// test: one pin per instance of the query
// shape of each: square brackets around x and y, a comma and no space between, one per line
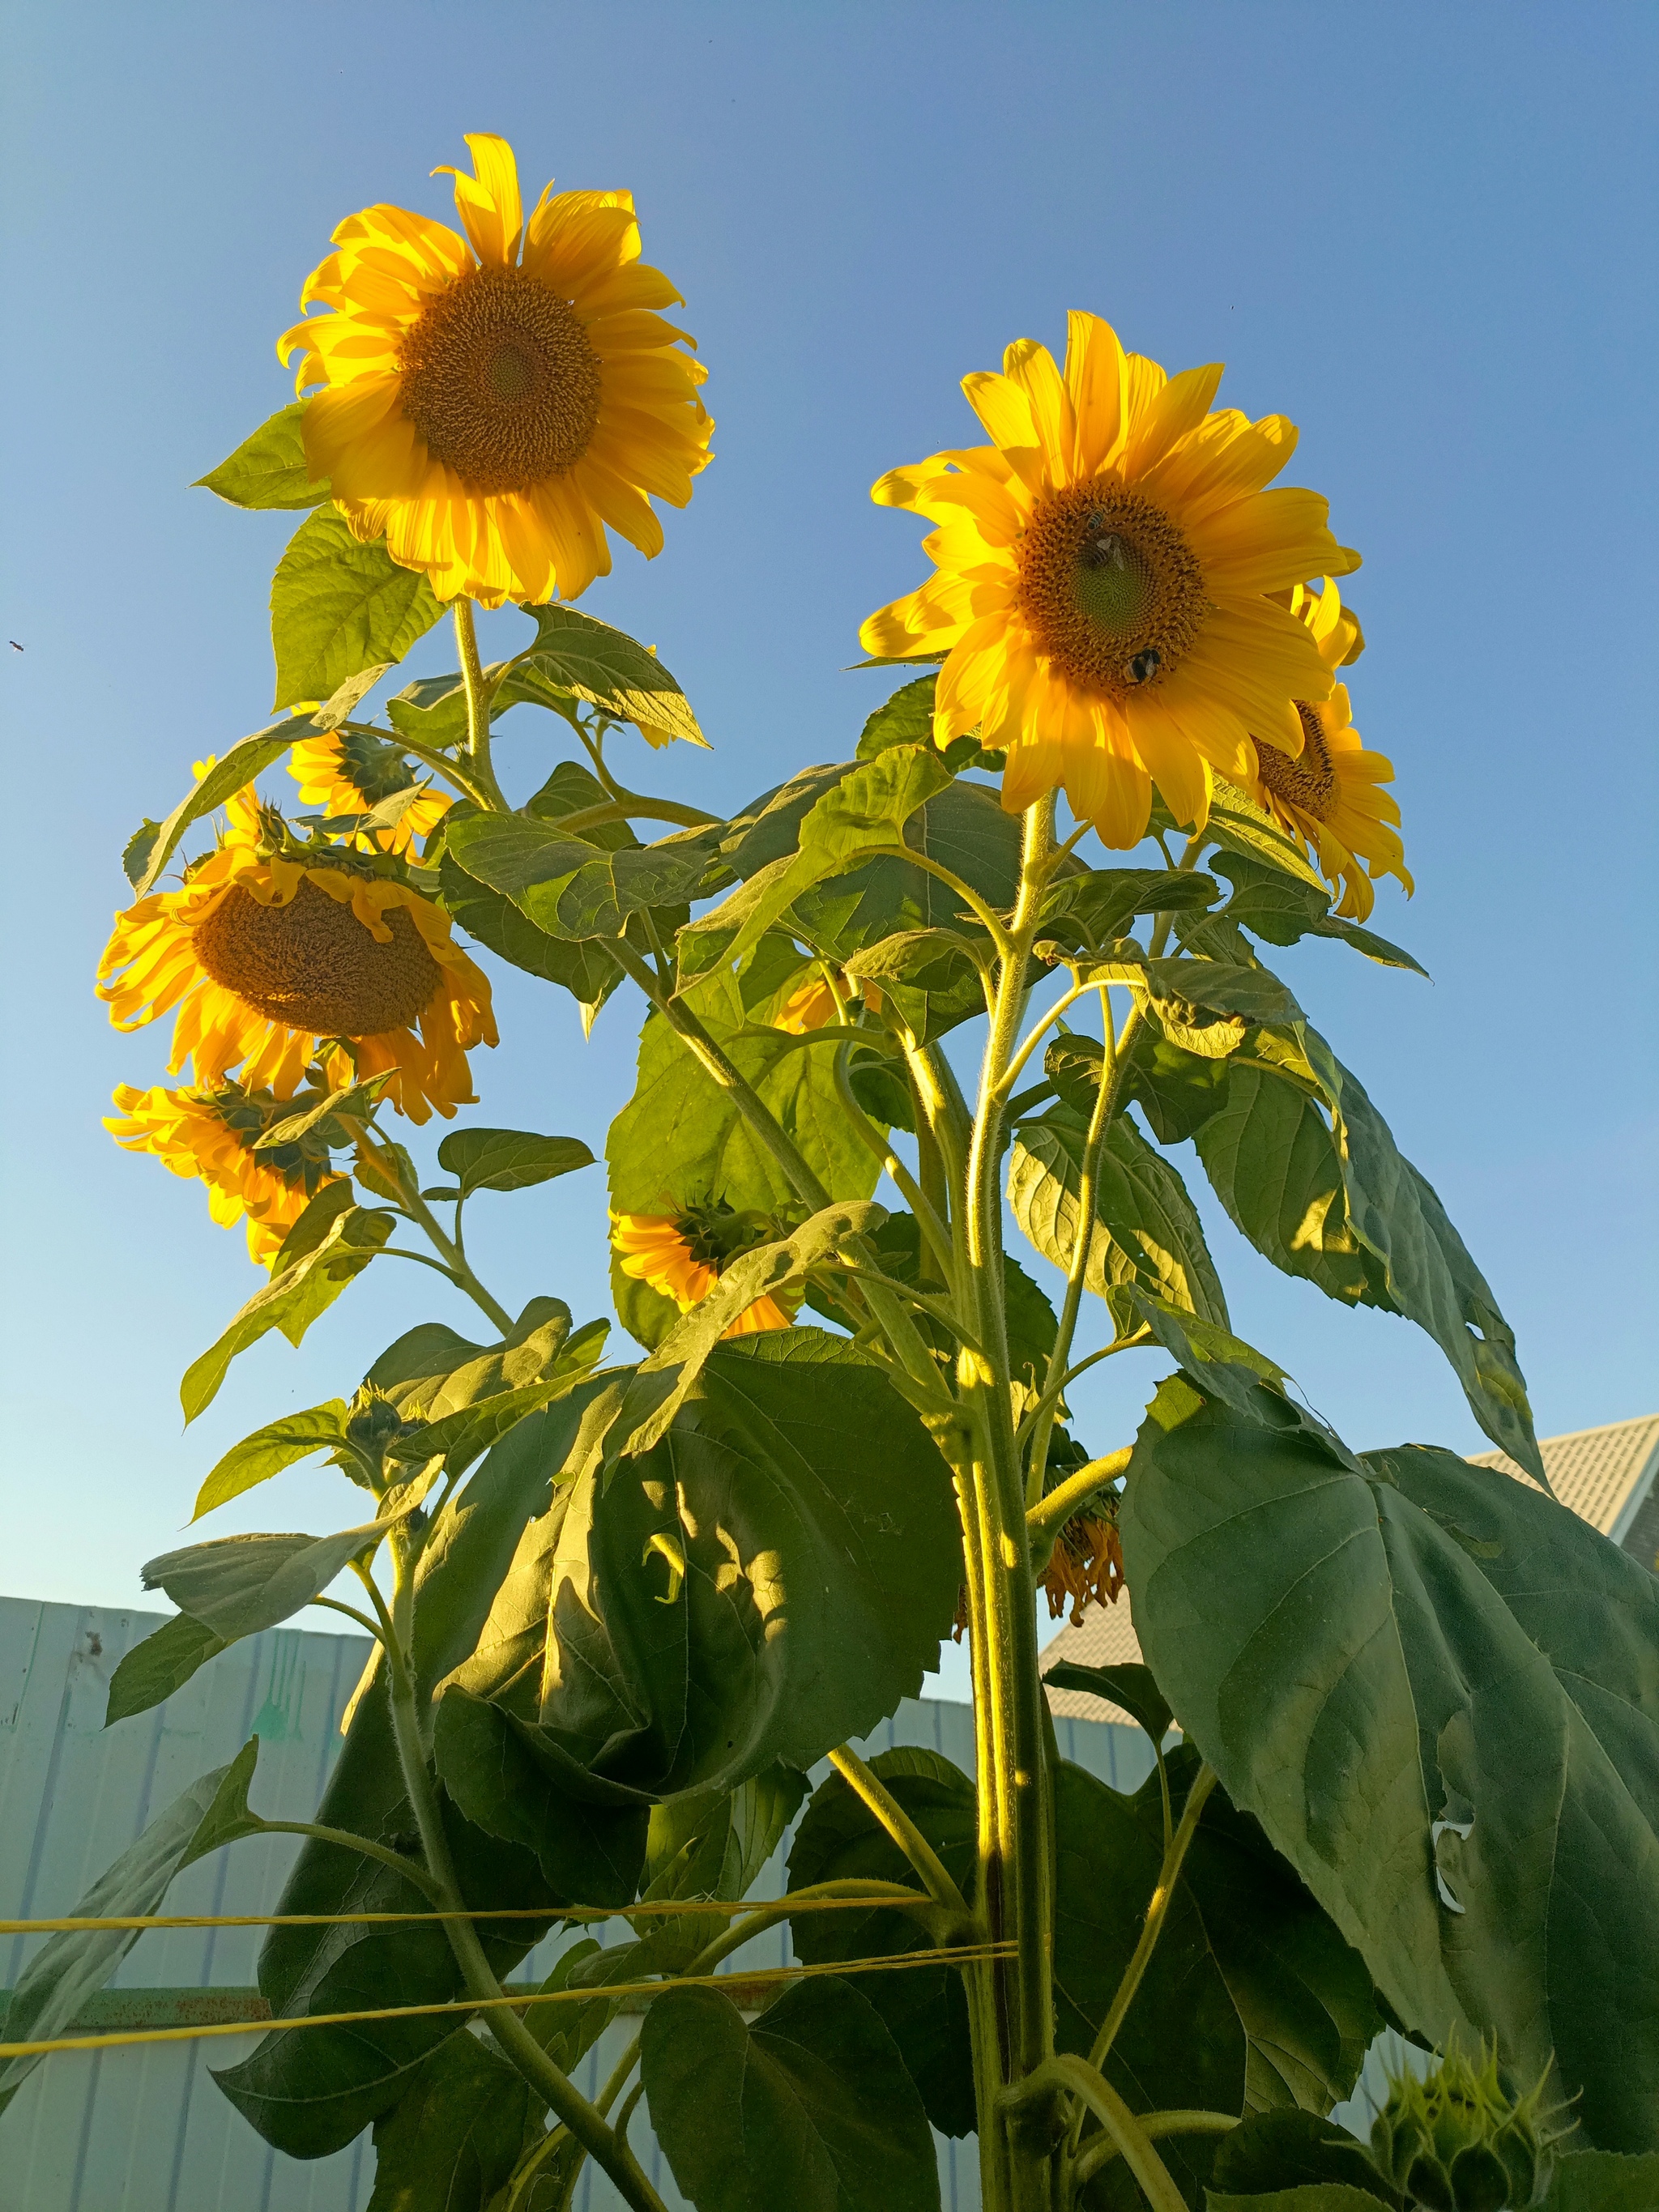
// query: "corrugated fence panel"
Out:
[144,2129]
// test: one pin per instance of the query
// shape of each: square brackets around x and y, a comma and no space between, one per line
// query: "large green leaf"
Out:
[1252,1998]
[1439,1691]
[681,1138]
[1431,1277]
[239,1585]
[839,1839]
[311,2093]
[454,2136]
[1273,1163]
[508,1159]
[1603,2181]
[268,468]
[268,1451]
[586,971]
[1281,909]
[591,661]
[862,814]
[1146,1230]
[292,1299]
[338,606]
[150,851]
[1274,2151]
[809,2107]
[569,888]
[769,1580]
[75,1965]
[153,1669]
[661,1384]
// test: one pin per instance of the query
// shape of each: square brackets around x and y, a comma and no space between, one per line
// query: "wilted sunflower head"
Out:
[490,404]
[683,1254]
[1329,794]
[1105,570]
[270,959]
[212,1135]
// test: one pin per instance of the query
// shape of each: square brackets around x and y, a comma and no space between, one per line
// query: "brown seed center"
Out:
[312,966]
[501,381]
[1111,589]
[1309,782]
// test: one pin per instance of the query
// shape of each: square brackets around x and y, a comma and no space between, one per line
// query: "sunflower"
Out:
[487,412]
[211,1135]
[681,1256]
[347,772]
[814,1005]
[1329,794]
[1104,572]
[270,959]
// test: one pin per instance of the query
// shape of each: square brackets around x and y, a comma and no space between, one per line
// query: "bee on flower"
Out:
[1108,578]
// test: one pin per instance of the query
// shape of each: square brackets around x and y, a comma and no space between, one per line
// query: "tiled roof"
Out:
[1607,1476]
[1603,1474]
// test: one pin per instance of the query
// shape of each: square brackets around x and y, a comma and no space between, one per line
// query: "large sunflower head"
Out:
[1102,589]
[271,961]
[489,404]
[682,1255]
[1329,794]
[347,772]
[211,1135]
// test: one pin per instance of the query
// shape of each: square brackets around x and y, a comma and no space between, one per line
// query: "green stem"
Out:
[411,1870]
[351,1612]
[1101,2149]
[1015,1843]
[1068,2075]
[455,1265]
[938,1235]
[1082,1245]
[1161,923]
[891,1815]
[478,694]
[1050,1514]
[516,2042]
[631,802]
[1203,1782]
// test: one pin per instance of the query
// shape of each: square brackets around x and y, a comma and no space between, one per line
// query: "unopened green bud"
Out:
[1454,2141]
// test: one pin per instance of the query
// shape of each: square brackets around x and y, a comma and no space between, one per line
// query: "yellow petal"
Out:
[1031,367]
[1096,377]
[487,203]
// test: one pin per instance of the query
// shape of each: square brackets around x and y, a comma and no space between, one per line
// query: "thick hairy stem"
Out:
[479,765]
[1015,1840]
[517,2043]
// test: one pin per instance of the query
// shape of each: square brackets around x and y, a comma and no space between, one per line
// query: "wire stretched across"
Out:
[948,1955]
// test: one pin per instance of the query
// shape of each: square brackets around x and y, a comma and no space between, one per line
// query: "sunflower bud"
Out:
[1455,2142]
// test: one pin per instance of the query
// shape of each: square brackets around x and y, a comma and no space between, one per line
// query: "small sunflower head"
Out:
[374,1424]
[1455,2142]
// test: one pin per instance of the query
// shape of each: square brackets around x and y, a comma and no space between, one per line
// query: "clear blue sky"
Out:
[1425,233]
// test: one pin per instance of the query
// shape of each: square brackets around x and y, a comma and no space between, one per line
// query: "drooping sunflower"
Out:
[210,1135]
[346,772]
[1329,794]
[1104,570]
[490,411]
[272,961]
[682,1255]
